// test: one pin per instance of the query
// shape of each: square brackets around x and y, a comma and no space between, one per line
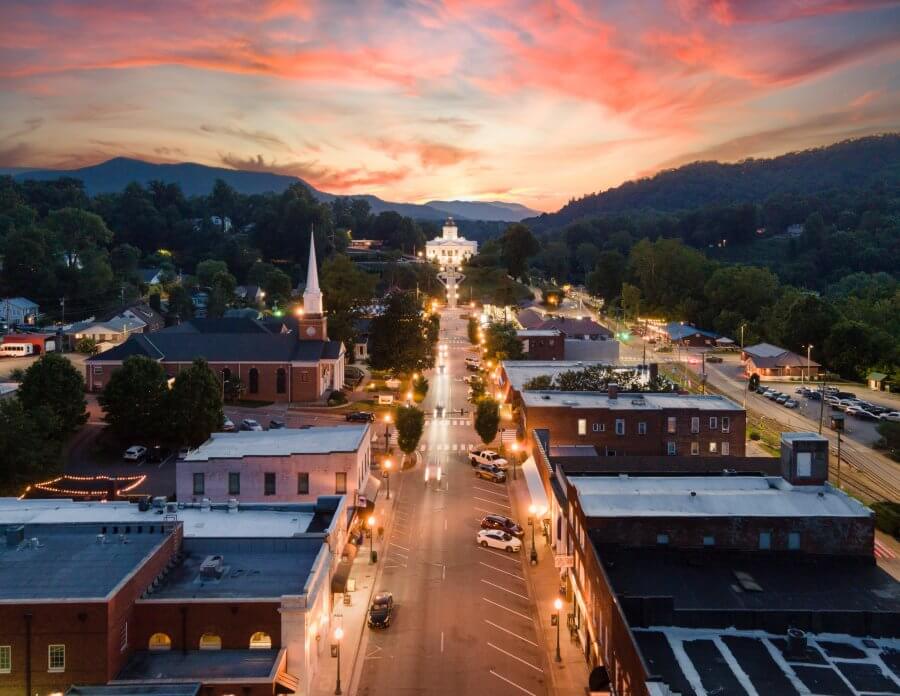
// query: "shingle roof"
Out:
[766,355]
[574,327]
[678,331]
[224,325]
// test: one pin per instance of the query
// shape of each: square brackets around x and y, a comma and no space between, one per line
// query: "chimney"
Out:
[613,390]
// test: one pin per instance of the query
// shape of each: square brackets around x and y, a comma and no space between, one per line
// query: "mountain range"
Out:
[198,179]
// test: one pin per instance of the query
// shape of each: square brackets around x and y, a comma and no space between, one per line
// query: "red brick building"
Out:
[542,344]
[291,361]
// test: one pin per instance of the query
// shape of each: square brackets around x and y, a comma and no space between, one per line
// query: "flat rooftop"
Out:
[280,443]
[628,401]
[251,569]
[710,496]
[67,561]
[538,333]
[696,662]
[145,689]
[198,665]
[520,371]
[249,520]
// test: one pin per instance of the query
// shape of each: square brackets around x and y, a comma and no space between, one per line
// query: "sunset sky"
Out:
[535,102]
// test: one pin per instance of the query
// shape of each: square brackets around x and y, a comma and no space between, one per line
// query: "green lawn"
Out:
[491,285]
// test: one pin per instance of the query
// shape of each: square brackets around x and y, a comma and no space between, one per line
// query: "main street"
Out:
[465,622]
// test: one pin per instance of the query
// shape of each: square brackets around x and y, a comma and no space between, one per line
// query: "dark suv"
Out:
[491,472]
[504,524]
[382,610]
[360,417]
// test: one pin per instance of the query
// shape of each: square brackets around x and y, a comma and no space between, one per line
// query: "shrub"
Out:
[337,398]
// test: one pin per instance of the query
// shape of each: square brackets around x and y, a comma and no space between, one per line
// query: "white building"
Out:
[450,249]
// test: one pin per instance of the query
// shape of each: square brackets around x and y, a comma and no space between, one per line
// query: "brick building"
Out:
[542,344]
[638,424]
[275,361]
[110,593]
[772,362]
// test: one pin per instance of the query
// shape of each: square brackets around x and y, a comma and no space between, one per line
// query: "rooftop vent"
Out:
[101,538]
[232,505]
[205,504]
[613,390]
[796,643]
[570,402]
[693,494]
[546,397]
[159,501]
[212,567]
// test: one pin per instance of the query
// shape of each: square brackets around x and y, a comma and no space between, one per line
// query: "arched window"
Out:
[254,380]
[210,641]
[260,641]
[160,641]
[281,381]
[226,374]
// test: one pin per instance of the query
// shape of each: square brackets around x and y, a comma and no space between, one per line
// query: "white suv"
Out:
[487,457]
[135,453]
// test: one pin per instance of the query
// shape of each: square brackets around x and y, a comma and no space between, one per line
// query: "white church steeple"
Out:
[312,296]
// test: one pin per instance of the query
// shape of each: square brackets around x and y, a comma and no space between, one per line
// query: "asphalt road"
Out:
[464,622]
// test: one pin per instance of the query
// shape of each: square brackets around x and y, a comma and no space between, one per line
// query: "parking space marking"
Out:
[394,543]
[492,502]
[516,635]
[512,683]
[490,512]
[511,611]
[499,570]
[505,556]
[489,491]
[516,657]
[503,589]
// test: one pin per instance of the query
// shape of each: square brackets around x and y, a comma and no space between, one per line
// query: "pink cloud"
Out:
[320,176]
[430,154]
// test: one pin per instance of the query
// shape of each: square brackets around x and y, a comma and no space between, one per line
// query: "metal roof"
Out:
[281,443]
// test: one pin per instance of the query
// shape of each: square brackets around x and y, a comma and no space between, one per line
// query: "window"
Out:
[582,426]
[765,541]
[123,638]
[670,448]
[260,641]
[340,482]
[5,659]
[159,641]
[620,426]
[199,484]
[56,658]
[254,381]
[599,427]
[695,448]
[804,464]
[234,483]
[671,426]
[713,423]
[794,541]
[304,376]
[713,447]
[726,424]
[642,428]
[302,483]
[281,381]
[662,539]
[210,641]
[726,448]
[269,483]
[709,541]
[226,375]
[695,424]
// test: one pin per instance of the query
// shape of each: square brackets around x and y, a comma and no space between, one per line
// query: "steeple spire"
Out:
[312,296]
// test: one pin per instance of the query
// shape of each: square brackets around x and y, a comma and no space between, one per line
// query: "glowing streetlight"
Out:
[336,652]
[387,475]
[370,523]
[298,312]
[532,521]
[557,604]
[387,431]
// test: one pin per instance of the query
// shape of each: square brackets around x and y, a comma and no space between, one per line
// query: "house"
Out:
[530,318]
[228,596]
[542,344]
[577,329]
[274,364]
[18,310]
[105,333]
[361,327]
[250,293]
[290,465]
[773,362]
[150,276]
[878,381]
[684,334]
[141,311]
[450,249]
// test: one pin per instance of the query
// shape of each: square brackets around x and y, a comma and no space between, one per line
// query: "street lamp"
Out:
[387,476]
[532,512]
[515,457]
[336,652]
[370,523]
[557,604]
[387,431]
[806,367]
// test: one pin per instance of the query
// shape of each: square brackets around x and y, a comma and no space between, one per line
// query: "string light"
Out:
[49,486]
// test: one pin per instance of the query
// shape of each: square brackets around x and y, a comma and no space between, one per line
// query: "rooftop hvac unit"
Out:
[15,536]
[101,538]
[159,501]
[171,508]
[212,567]
[232,505]
[205,504]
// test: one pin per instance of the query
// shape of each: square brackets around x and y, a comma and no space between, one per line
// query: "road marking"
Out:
[400,554]
[505,572]
[492,502]
[516,635]
[442,641]
[392,565]
[501,555]
[487,490]
[445,524]
[512,683]
[516,657]
[394,543]
[503,589]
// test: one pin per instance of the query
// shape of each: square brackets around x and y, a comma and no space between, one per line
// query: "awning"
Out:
[535,485]
[370,490]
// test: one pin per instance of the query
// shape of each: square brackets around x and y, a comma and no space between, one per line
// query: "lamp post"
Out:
[387,431]
[806,367]
[515,457]
[387,476]
[557,604]
[336,649]
[370,523]
[532,512]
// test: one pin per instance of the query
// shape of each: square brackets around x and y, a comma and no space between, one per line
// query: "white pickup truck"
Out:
[477,457]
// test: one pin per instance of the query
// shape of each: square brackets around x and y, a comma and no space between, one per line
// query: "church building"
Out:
[288,360]
[450,249]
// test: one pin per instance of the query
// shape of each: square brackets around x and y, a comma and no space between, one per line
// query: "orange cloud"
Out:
[430,154]
[319,176]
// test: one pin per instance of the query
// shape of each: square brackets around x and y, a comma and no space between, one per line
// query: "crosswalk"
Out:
[448,447]
[883,551]
[449,421]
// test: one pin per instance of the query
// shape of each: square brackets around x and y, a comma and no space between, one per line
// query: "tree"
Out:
[487,419]
[86,345]
[53,382]
[223,202]
[539,383]
[410,426]
[518,246]
[347,290]
[472,328]
[180,304]
[606,279]
[207,271]
[631,300]
[233,388]
[501,342]
[742,289]
[29,453]
[195,404]
[851,348]
[401,339]
[135,400]
[76,231]
[277,286]
[124,260]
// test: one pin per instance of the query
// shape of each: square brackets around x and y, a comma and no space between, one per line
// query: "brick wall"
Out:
[544,347]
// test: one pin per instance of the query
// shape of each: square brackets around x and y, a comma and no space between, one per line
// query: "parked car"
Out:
[845,395]
[504,524]
[158,454]
[893,416]
[761,389]
[866,415]
[276,424]
[485,456]
[227,425]
[714,359]
[360,417]
[135,453]
[250,424]
[801,390]
[382,610]
[791,403]
[852,410]
[490,472]
[814,396]
[494,538]
[781,399]
[473,364]
[772,394]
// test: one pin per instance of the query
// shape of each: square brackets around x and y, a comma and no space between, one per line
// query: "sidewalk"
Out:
[352,619]
[569,676]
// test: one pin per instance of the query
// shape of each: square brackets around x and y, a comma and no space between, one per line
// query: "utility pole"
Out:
[62,304]
[822,404]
